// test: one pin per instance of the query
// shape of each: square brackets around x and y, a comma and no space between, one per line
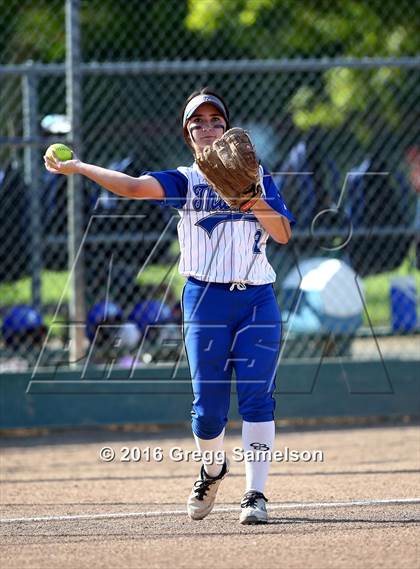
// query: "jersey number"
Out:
[257,237]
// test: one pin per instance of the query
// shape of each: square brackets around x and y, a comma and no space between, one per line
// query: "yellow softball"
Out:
[61,151]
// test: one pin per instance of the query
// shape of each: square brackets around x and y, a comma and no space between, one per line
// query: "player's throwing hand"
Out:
[56,166]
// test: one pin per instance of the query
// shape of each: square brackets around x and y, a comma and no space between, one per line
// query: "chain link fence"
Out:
[330,96]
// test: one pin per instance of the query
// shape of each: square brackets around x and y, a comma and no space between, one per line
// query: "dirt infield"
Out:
[61,506]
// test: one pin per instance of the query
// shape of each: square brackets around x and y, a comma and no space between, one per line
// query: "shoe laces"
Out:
[250,499]
[201,487]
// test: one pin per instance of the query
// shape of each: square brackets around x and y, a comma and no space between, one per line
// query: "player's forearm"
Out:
[273,222]
[116,182]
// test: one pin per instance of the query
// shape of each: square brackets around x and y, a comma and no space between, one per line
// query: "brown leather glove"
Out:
[231,167]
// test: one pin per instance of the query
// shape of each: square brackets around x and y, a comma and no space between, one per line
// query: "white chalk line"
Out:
[217,510]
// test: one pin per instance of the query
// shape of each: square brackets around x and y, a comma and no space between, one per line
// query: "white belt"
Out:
[240,286]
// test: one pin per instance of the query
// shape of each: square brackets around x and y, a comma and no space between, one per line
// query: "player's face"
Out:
[205,126]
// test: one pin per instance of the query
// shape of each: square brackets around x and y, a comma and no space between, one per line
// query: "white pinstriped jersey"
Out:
[218,244]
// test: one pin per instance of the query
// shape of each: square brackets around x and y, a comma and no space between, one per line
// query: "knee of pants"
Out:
[258,410]
[207,427]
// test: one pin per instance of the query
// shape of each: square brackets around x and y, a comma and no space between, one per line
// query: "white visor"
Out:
[200,100]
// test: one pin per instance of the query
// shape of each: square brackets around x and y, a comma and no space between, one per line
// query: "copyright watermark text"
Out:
[178,454]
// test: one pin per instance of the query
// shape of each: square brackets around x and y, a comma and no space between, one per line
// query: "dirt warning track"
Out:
[62,505]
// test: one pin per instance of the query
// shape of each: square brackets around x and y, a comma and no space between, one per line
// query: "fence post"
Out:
[32,182]
[75,196]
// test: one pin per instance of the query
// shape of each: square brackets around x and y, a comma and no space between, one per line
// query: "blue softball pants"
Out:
[226,330]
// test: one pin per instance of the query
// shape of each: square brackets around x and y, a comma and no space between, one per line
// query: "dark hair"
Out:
[202,91]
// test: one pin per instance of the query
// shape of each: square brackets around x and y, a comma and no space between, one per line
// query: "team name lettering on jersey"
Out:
[206,199]
[218,244]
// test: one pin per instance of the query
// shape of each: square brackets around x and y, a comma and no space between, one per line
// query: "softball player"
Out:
[230,314]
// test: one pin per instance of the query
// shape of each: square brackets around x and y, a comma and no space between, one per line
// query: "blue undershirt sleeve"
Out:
[175,186]
[274,198]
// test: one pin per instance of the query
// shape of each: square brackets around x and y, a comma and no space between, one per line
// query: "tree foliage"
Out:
[308,29]
[241,29]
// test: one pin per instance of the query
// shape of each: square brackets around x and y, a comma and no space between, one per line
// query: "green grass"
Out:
[19,292]
[156,274]
[53,284]
[377,289]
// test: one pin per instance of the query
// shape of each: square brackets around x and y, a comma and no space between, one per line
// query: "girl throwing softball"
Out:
[230,314]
